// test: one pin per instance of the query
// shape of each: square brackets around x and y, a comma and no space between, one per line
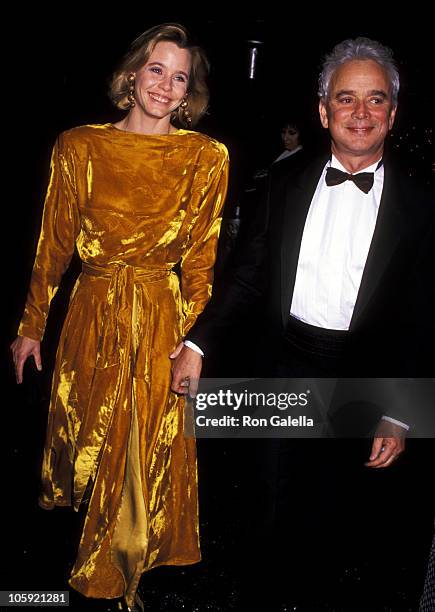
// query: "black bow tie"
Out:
[363,180]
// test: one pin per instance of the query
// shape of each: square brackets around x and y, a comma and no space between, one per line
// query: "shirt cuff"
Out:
[396,422]
[193,346]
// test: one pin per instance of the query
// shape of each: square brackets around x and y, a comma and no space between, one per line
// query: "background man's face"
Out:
[358,111]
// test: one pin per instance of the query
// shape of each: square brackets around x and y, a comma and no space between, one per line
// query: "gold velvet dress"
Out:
[134,205]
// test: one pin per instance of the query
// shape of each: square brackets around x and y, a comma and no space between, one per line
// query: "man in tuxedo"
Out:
[342,251]
[344,255]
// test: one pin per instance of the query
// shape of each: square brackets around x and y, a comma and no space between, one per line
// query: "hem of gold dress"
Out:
[174,562]
[85,592]
[89,595]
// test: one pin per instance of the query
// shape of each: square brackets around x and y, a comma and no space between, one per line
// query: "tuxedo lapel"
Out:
[297,203]
[386,237]
[388,229]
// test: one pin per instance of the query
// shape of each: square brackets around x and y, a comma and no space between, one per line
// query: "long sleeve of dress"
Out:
[199,257]
[59,229]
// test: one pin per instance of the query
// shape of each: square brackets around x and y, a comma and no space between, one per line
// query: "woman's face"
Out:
[290,137]
[161,83]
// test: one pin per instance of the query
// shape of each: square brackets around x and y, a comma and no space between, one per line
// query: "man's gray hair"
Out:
[359,49]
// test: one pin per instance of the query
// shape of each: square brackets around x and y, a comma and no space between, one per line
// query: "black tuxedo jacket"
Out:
[392,329]
[288,166]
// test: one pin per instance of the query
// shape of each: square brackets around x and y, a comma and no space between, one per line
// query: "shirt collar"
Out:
[287,153]
[336,164]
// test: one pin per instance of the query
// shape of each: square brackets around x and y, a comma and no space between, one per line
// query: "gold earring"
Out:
[130,97]
[186,113]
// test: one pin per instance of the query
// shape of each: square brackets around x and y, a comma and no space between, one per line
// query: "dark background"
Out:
[56,71]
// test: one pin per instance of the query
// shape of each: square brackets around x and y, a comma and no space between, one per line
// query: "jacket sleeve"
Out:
[59,229]
[241,286]
[199,257]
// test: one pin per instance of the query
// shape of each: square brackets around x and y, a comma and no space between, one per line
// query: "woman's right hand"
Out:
[22,347]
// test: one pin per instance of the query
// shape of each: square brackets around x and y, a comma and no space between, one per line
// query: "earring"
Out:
[186,113]
[130,96]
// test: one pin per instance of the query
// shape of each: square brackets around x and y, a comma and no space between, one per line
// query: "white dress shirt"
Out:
[194,347]
[335,244]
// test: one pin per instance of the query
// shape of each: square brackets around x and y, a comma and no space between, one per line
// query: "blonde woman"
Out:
[136,198]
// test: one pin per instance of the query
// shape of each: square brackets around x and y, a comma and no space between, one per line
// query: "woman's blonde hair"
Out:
[138,55]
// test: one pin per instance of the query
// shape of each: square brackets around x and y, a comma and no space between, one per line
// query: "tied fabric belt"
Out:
[115,337]
[109,400]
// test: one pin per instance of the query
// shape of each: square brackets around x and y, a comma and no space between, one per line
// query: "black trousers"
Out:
[308,502]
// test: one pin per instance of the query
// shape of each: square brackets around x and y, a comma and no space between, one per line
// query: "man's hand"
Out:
[388,444]
[22,347]
[186,370]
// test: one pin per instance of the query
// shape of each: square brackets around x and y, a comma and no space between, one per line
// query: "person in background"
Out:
[291,139]
[283,166]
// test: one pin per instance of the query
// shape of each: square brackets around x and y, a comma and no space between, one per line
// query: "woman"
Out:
[137,198]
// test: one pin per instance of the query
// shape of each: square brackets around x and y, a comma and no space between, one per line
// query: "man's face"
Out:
[358,111]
